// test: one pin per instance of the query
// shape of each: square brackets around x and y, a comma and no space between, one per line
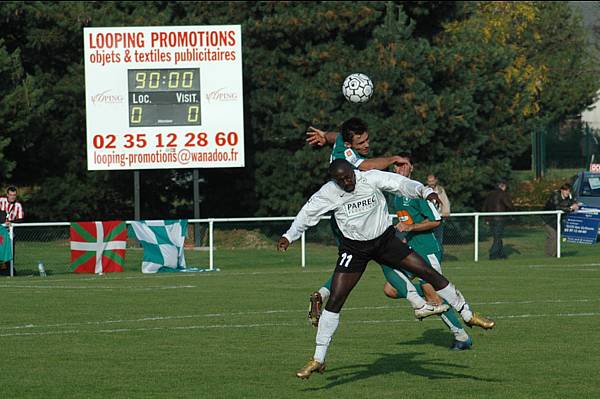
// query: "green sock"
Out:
[395,281]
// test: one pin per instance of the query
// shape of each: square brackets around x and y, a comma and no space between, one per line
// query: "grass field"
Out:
[242,332]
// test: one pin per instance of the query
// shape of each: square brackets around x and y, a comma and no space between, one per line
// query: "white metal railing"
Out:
[212,221]
[477,215]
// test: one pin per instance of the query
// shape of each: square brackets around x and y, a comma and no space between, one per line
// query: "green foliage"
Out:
[460,85]
[571,64]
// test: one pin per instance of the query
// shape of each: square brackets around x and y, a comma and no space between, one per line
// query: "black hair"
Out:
[11,188]
[339,165]
[407,155]
[352,127]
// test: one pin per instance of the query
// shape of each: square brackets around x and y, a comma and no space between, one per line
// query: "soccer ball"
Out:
[357,88]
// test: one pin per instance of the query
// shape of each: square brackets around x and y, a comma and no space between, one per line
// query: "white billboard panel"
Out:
[164,97]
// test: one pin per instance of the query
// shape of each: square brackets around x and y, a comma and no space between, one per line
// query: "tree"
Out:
[459,84]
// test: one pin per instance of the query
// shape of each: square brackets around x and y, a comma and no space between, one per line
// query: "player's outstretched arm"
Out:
[381,163]
[318,137]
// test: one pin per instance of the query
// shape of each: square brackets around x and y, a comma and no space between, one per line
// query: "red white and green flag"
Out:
[98,247]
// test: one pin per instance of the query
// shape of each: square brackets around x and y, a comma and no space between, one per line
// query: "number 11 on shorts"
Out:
[345,258]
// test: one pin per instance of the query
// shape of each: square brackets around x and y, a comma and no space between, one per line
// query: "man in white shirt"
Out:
[444,209]
[360,208]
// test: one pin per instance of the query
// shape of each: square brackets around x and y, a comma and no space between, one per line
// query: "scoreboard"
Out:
[164,97]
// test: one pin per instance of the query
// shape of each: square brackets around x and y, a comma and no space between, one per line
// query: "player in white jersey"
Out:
[357,200]
[352,144]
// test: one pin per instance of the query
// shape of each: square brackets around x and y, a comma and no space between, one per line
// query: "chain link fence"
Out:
[244,243]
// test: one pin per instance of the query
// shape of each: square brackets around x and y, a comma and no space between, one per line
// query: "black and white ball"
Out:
[357,88]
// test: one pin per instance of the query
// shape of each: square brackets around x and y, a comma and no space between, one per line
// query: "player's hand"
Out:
[403,227]
[316,136]
[400,161]
[283,244]
[435,199]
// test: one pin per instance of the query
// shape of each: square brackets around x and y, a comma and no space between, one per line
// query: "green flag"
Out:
[163,244]
[5,244]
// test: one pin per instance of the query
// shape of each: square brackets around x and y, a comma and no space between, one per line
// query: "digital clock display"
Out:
[164,97]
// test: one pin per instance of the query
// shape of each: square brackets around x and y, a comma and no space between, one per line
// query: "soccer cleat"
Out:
[314,309]
[461,345]
[481,321]
[310,368]
[429,310]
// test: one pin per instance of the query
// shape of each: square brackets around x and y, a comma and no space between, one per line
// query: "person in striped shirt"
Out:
[10,211]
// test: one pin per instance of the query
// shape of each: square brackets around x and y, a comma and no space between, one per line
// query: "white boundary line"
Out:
[226,273]
[269,312]
[262,325]
[96,287]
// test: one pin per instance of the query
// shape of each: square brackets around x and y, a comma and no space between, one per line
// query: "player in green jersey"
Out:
[416,221]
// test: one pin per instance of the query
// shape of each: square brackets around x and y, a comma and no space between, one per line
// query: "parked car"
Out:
[586,189]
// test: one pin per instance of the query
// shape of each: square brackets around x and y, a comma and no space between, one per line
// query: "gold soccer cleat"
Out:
[481,321]
[314,309]
[310,368]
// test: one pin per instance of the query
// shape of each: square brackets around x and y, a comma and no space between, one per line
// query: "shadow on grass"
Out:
[437,337]
[414,363]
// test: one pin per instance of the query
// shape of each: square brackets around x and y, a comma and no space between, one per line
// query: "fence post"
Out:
[210,244]
[476,238]
[303,248]
[558,234]
[11,235]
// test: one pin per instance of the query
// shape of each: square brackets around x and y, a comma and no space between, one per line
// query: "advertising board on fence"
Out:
[582,227]
[164,97]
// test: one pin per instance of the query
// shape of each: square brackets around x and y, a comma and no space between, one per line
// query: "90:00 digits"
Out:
[172,83]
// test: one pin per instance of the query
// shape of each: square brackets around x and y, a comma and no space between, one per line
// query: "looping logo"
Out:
[106,98]
[221,95]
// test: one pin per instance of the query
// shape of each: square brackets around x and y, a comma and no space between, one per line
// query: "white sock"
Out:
[456,300]
[328,323]
[459,333]
[415,299]
[324,293]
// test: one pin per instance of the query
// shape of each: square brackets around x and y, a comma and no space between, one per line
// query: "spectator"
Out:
[9,205]
[11,212]
[444,210]
[560,199]
[498,200]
